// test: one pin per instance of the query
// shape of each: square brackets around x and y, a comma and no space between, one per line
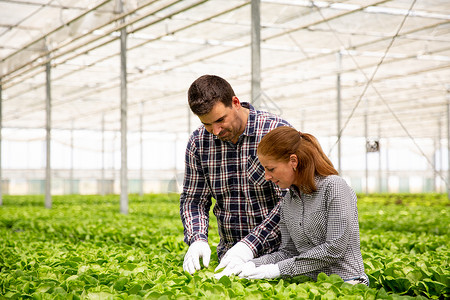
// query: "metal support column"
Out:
[302,121]
[386,155]
[256,51]
[366,137]
[48,109]
[380,175]
[338,87]
[102,179]
[189,121]
[448,143]
[141,152]
[113,159]
[441,157]
[1,127]
[437,162]
[72,184]
[123,118]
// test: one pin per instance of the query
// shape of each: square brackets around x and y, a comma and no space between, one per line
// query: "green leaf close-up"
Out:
[84,248]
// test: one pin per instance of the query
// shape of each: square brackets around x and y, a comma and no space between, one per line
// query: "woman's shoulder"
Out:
[334,178]
[336,185]
[331,181]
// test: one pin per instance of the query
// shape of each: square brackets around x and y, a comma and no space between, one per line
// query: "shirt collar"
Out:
[251,121]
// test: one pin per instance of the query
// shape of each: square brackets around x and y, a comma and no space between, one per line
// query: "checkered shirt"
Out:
[246,204]
[319,232]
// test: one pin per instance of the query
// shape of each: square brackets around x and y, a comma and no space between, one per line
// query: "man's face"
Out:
[224,122]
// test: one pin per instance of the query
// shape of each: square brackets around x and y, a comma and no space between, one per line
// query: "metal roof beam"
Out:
[373,9]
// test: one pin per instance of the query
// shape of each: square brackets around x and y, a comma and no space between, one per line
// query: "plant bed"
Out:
[83,248]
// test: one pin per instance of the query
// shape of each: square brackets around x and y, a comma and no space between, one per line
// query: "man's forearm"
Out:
[195,219]
[266,235]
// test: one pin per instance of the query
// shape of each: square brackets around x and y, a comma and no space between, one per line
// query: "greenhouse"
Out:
[95,122]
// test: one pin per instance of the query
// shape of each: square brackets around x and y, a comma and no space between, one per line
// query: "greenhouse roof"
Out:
[392,59]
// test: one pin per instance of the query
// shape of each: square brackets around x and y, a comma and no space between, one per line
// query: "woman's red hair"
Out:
[280,143]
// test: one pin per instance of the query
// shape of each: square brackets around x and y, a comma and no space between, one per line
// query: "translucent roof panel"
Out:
[392,59]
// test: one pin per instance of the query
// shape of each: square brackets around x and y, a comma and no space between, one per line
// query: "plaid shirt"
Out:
[233,176]
[320,233]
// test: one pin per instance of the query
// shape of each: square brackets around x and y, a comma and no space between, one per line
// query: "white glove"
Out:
[247,268]
[192,258]
[233,260]
[249,271]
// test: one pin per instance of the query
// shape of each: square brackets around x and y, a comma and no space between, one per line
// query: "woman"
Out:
[319,218]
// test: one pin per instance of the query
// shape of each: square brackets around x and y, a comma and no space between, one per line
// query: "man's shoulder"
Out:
[199,131]
[200,136]
[269,116]
[262,120]
[266,121]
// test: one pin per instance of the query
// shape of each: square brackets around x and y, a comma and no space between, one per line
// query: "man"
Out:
[221,163]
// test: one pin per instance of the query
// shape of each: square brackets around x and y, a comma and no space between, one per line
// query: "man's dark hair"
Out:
[206,91]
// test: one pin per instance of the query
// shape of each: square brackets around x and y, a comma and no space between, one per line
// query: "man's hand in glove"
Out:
[192,258]
[250,271]
[234,259]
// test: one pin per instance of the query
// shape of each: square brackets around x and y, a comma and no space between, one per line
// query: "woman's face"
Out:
[279,172]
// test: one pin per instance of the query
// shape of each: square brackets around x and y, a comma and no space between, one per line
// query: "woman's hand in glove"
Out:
[250,271]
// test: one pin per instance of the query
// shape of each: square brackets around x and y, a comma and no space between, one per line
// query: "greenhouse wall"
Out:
[173,184]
